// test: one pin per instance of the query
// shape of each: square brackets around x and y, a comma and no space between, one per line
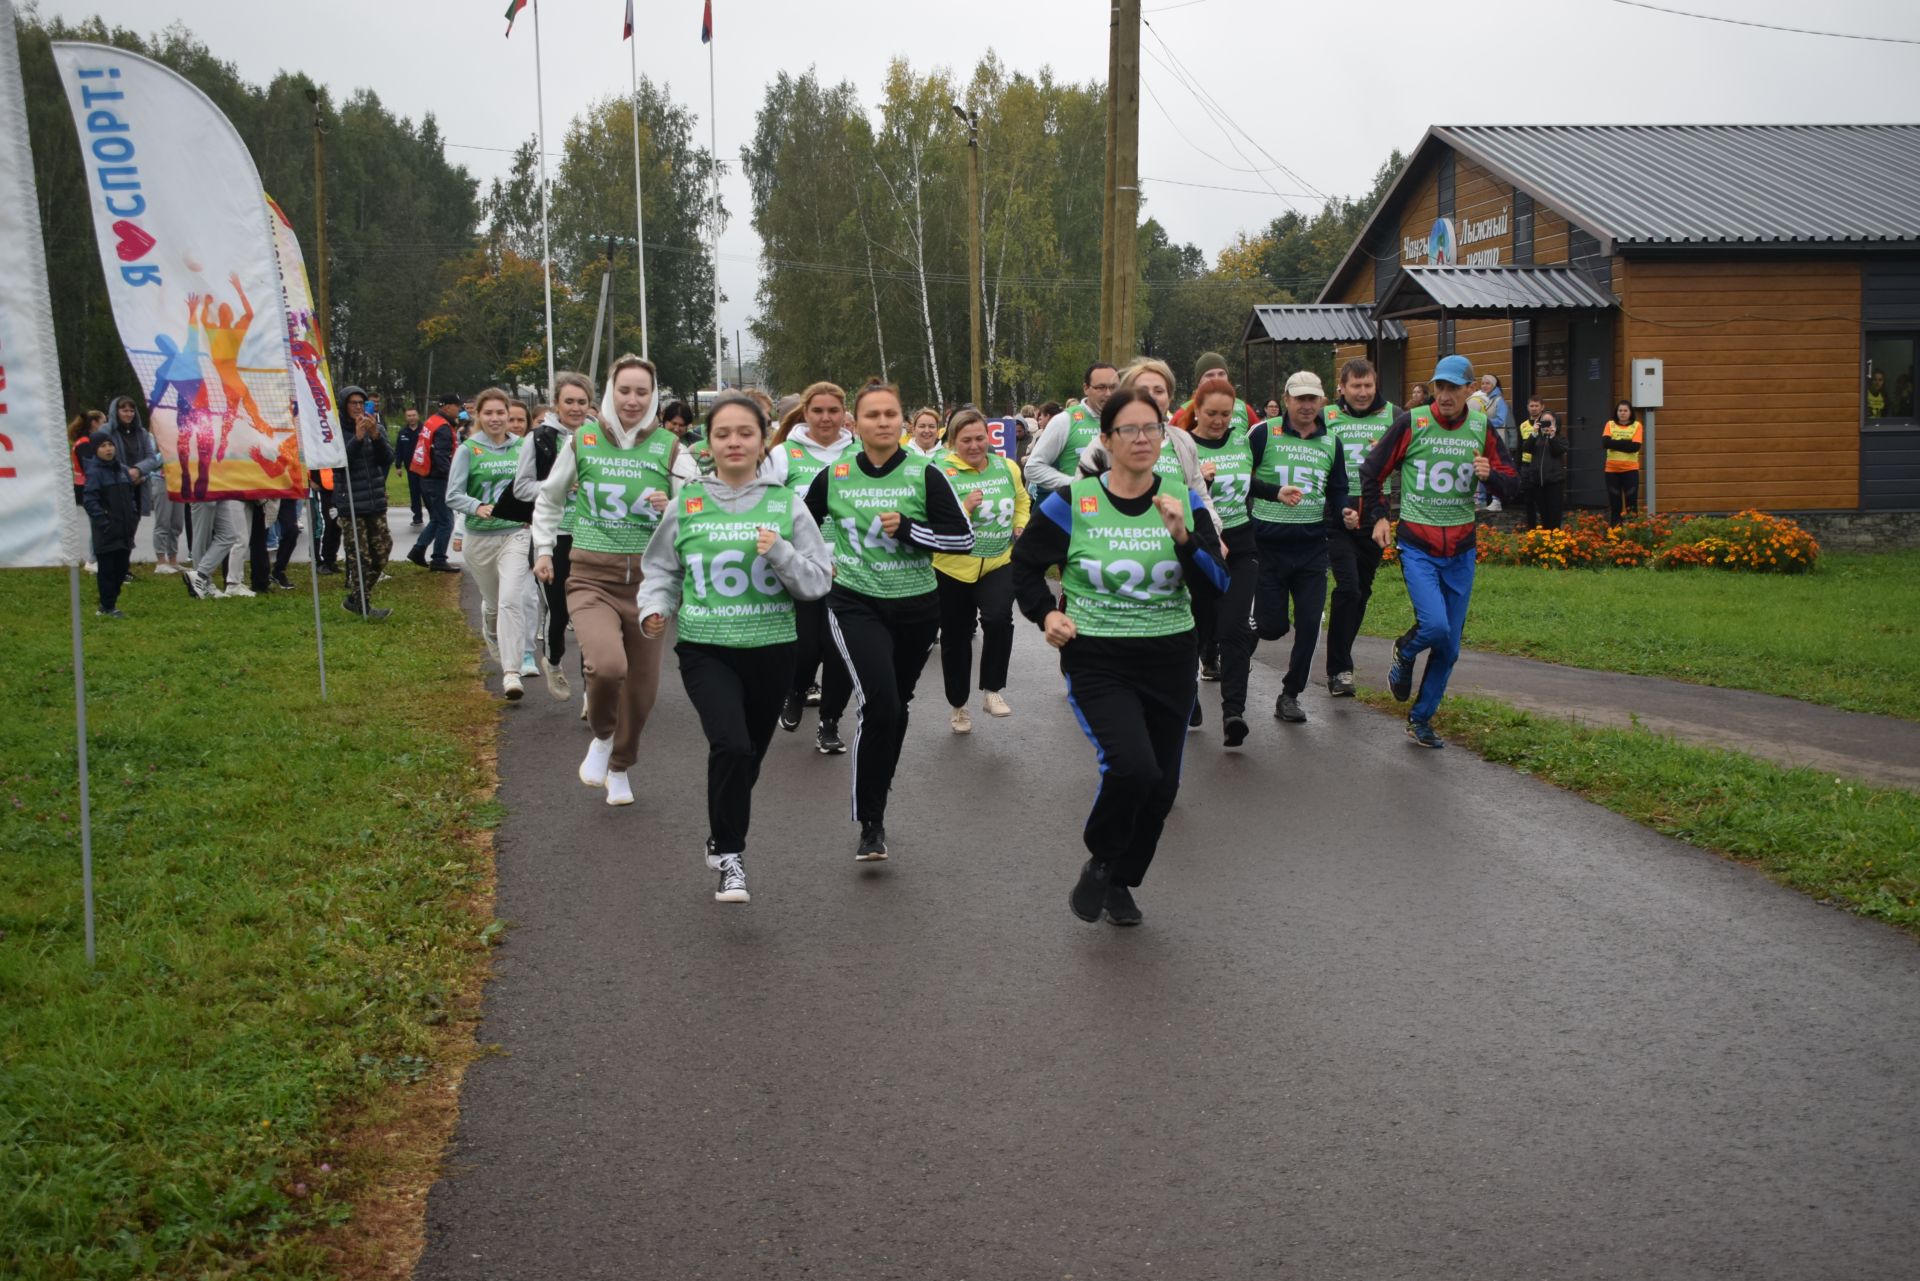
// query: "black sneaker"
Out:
[826,740]
[441,567]
[1423,736]
[1195,717]
[790,713]
[280,580]
[733,878]
[415,523]
[1400,675]
[1089,895]
[1121,909]
[1236,731]
[418,556]
[328,569]
[1340,685]
[109,613]
[873,843]
[813,696]
[1209,669]
[1288,709]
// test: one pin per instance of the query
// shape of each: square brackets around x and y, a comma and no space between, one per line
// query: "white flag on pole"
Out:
[39,522]
[186,240]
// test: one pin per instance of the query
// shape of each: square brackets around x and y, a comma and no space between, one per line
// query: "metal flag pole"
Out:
[639,210]
[713,141]
[546,251]
[80,737]
[313,558]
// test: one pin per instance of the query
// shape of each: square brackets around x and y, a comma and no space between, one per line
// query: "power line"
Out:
[1765,26]
[1245,191]
[1205,109]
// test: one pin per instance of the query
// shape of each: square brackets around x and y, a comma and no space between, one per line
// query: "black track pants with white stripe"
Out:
[885,644]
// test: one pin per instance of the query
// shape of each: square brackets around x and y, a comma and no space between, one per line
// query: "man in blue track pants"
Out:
[1439,453]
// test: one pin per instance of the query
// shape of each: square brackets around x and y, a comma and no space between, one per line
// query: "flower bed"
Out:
[1750,540]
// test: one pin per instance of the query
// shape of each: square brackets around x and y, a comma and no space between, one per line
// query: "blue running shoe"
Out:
[1400,675]
[1423,736]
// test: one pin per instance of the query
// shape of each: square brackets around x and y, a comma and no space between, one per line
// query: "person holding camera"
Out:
[363,511]
[1543,467]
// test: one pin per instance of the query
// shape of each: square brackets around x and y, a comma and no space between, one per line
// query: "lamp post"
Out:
[976,285]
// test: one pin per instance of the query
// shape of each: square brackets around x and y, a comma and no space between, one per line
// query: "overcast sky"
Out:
[1325,89]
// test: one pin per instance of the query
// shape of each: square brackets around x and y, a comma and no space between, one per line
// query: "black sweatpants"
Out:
[331,516]
[1136,715]
[114,568]
[990,600]
[814,652]
[258,562]
[289,521]
[884,644]
[1355,559]
[737,693]
[1546,505]
[1623,495]
[556,594]
[1292,574]
[1225,628]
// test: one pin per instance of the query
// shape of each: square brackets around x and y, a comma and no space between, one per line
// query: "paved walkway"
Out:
[1875,749]
[1393,1014]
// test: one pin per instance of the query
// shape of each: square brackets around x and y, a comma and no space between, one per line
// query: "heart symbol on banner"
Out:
[134,241]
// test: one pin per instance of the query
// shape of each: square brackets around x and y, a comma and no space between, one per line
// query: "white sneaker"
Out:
[962,722]
[240,589]
[1494,505]
[93,567]
[528,667]
[994,705]
[593,770]
[556,679]
[510,685]
[619,791]
[164,568]
[733,879]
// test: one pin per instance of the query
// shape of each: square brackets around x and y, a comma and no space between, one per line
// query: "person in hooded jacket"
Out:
[573,409]
[111,496]
[137,451]
[369,541]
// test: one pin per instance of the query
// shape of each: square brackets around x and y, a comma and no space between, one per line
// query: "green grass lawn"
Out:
[292,902]
[1850,844]
[1847,634]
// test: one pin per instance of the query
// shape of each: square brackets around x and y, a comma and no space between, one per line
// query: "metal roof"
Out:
[1315,323]
[1646,186]
[1489,291]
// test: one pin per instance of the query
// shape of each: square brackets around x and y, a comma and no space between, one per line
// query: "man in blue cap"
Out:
[1439,452]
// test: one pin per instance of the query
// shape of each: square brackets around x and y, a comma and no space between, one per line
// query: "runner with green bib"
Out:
[1129,547]
[1358,419]
[732,556]
[1434,455]
[1226,634]
[496,549]
[1299,500]
[889,512]
[617,477]
[977,586]
[800,452]
[1054,461]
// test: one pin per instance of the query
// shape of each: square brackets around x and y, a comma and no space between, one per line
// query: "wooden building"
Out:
[1773,270]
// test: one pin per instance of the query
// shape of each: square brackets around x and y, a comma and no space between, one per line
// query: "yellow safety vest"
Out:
[1623,459]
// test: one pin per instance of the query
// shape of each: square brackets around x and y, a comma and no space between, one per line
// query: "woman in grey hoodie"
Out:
[136,447]
[732,554]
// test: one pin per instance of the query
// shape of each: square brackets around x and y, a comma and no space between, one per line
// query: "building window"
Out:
[1890,377]
[1523,229]
[1446,184]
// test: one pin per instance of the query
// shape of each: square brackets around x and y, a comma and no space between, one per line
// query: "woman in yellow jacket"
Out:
[1624,437]
[978,585]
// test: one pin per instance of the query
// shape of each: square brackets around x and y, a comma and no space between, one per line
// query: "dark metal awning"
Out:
[1488,291]
[1316,323]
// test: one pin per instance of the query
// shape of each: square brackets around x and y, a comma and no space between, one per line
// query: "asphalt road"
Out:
[1393,1014]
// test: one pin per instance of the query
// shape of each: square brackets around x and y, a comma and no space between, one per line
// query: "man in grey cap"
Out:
[1436,454]
[1299,497]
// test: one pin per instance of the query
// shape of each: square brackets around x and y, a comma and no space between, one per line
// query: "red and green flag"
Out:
[513,8]
[706,24]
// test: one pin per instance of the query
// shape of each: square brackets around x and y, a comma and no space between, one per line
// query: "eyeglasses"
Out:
[1140,431]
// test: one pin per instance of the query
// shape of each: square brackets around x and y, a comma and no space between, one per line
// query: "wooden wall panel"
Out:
[1762,379]
[1550,236]
[1479,197]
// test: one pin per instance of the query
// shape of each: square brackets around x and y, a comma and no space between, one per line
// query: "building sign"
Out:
[1441,246]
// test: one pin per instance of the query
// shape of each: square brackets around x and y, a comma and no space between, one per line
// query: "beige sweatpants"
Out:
[621,665]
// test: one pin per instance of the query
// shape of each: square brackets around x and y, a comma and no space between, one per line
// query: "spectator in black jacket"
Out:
[1543,467]
[135,447]
[431,459]
[403,450]
[364,502]
[112,499]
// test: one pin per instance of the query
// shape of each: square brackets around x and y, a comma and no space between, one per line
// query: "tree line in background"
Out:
[863,218]
[425,273]
[861,212]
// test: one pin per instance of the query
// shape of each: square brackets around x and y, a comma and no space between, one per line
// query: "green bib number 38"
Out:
[731,596]
[1436,473]
[867,559]
[611,507]
[1123,575]
[993,518]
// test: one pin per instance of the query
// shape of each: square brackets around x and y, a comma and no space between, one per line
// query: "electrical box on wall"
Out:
[1649,382]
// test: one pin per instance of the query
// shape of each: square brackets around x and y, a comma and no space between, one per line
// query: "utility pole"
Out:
[1102,345]
[1123,179]
[323,315]
[976,283]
